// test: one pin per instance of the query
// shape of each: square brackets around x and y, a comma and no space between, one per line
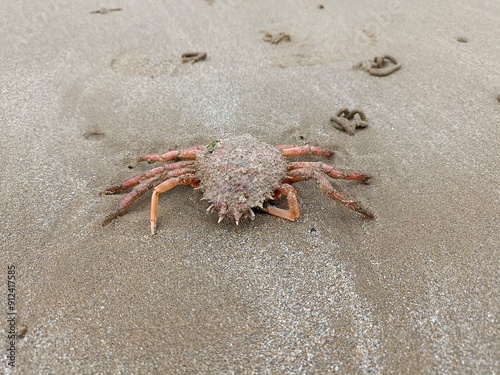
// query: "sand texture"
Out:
[87,87]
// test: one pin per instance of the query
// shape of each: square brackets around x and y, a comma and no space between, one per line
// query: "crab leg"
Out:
[142,188]
[309,167]
[131,182]
[293,211]
[188,153]
[327,188]
[131,198]
[288,150]
[187,179]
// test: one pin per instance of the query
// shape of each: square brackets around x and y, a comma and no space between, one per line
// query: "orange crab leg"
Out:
[304,150]
[188,153]
[131,182]
[293,211]
[331,171]
[188,179]
[142,188]
[327,188]
[131,198]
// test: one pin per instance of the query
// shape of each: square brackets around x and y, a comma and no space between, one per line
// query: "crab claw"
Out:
[220,219]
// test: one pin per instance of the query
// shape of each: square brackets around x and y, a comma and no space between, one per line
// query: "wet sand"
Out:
[84,94]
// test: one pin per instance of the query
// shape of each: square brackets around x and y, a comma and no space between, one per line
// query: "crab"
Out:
[236,175]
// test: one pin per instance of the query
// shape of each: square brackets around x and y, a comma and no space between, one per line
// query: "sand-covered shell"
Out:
[239,173]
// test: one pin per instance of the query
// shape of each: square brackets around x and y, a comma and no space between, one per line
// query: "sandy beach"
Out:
[87,87]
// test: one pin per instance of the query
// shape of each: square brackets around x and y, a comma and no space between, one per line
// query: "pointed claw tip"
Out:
[108,219]
[370,215]
[367,180]
[220,219]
